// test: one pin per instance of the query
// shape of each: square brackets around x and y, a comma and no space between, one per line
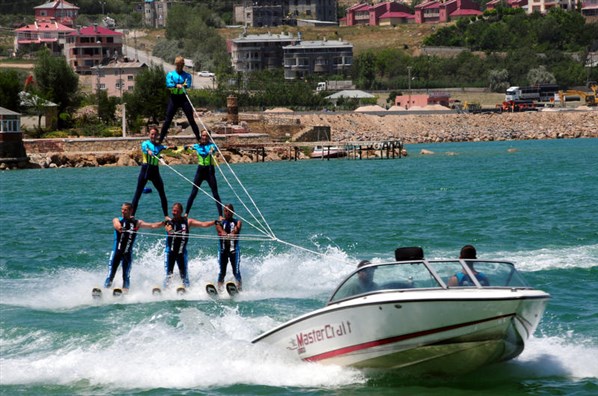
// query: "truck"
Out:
[514,106]
[536,93]
[334,85]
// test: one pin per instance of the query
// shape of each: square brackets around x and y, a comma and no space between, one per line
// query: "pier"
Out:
[353,150]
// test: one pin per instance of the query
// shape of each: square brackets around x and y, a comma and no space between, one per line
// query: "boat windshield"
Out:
[429,274]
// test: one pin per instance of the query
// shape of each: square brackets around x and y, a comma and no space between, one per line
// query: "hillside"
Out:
[362,37]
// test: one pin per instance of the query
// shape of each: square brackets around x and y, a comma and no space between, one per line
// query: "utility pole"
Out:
[409,101]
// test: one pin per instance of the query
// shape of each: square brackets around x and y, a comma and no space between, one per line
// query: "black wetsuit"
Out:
[122,251]
[176,250]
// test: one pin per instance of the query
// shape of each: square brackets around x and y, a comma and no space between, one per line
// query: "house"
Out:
[422,100]
[542,6]
[155,12]
[91,46]
[42,33]
[12,150]
[438,11]
[61,11]
[349,94]
[388,13]
[251,52]
[493,4]
[259,13]
[589,8]
[116,77]
[304,58]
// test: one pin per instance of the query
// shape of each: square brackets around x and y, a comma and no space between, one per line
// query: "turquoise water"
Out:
[535,206]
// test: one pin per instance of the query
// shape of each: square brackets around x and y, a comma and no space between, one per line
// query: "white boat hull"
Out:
[444,331]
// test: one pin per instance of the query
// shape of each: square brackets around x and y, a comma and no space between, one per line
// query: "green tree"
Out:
[149,97]
[11,83]
[106,107]
[540,75]
[498,80]
[56,81]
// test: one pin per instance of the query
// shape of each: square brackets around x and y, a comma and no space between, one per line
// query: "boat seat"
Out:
[409,253]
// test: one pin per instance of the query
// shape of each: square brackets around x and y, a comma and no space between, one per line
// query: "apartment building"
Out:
[91,46]
[305,58]
[259,13]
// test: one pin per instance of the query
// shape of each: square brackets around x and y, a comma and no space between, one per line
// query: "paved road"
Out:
[144,56]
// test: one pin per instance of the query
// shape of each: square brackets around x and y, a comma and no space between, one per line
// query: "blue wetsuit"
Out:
[205,171]
[465,280]
[150,171]
[122,251]
[176,250]
[178,99]
[229,250]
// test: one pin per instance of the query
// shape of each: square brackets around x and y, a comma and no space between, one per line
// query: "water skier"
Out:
[125,233]
[205,171]
[177,82]
[176,243]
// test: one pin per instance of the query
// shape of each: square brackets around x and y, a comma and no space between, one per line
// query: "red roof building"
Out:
[62,11]
[493,4]
[42,33]
[435,11]
[91,46]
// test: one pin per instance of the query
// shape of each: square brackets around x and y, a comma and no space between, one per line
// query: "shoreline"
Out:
[270,128]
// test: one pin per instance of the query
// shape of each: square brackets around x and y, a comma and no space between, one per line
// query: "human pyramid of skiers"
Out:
[177,225]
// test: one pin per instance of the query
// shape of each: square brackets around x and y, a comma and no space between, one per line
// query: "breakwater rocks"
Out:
[437,128]
[347,126]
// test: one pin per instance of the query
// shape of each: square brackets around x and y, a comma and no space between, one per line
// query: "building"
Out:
[542,6]
[589,8]
[387,13]
[259,13]
[116,77]
[91,46]
[493,4]
[259,51]
[326,57]
[12,150]
[422,100]
[439,11]
[42,33]
[155,12]
[61,11]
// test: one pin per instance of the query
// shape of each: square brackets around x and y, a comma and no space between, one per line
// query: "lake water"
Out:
[536,206]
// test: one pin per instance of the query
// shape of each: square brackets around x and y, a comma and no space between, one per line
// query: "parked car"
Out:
[205,73]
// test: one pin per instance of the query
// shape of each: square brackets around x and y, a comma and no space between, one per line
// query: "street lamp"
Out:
[102,3]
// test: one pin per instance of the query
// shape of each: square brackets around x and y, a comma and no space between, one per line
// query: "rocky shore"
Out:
[411,129]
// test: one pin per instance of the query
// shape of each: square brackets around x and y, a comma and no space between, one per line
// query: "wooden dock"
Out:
[381,149]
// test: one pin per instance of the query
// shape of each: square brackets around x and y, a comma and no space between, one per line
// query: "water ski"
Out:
[96,293]
[231,289]
[211,290]
[181,290]
[116,292]
[156,291]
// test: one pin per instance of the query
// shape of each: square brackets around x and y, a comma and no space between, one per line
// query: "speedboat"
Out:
[328,152]
[410,318]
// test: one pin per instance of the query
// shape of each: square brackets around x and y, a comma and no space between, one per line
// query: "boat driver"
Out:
[468,252]
[363,282]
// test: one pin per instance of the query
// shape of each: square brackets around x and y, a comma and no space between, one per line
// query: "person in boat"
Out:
[150,150]
[125,231]
[228,245]
[362,283]
[468,252]
[206,170]
[177,229]
[177,82]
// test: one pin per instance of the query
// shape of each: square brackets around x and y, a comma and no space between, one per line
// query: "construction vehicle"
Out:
[590,98]
[515,106]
